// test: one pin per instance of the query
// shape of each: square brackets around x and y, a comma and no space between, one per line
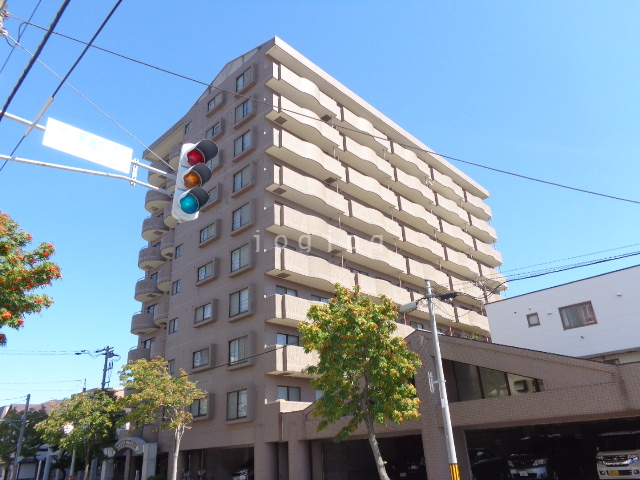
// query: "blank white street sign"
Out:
[86,145]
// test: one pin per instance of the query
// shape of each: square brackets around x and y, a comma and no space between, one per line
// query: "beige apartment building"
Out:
[312,186]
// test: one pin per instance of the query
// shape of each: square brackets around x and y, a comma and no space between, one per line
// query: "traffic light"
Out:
[192,174]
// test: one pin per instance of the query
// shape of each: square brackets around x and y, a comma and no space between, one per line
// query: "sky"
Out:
[541,89]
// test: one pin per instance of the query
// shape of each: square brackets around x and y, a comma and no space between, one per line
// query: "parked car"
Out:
[244,472]
[410,468]
[486,465]
[546,456]
[619,454]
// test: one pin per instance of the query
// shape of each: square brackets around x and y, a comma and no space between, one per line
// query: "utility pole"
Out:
[108,354]
[16,463]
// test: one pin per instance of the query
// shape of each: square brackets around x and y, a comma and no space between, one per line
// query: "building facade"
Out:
[592,318]
[311,187]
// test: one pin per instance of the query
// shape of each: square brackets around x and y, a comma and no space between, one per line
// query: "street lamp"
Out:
[454,471]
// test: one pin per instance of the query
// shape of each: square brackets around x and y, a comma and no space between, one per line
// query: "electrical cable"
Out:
[20,33]
[412,147]
[33,59]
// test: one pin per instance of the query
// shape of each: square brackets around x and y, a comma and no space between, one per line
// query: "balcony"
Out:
[482,231]
[142,322]
[371,137]
[366,160]
[307,191]
[307,230]
[304,91]
[289,360]
[375,256]
[455,237]
[369,191]
[169,220]
[158,179]
[493,280]
[154,201]
[407,161]
[421,245]
[146,289]
[417,216]
[417,273]
[136,354]
[308,270]
[164,278]
[461,264]
[158,347]
[487,254]
[412,188]
[153,228]
[287,310]
[304,123]
[446,187]
[372,222]
[375,287]
[150,258]
[161,313]
[448,210]
[476,207]
[305,156]
[167,247]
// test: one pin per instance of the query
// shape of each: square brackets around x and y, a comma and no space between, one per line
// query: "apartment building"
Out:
[590,318]
[311,187]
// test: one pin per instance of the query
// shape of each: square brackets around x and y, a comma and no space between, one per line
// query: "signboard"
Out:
[88,146]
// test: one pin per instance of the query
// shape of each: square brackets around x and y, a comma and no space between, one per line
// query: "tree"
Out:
[21,273]
[157,395]
[85,422]
[364,371]
[10,430]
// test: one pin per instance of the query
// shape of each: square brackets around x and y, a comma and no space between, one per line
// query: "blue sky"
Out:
[543,89]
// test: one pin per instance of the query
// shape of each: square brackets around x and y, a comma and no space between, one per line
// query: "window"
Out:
[171,367]
[213,103]
[201,358]
[316,298]
[243,80]
[151,308]
[242,178]
[179,251]
[241,216]
[187,128]
[286,339]
[208,232]
[416,325]
[147,343]
[240,257]
[238,350]
[577,315]
[173,326]
[286,291]
[239,302]
[533,319]
[243,110]
[213,195]
[237,405]
[203,313]
[242,143]
[205,271]
[175,287]
[213,131]
[153,276]
[199,407]
[291,394]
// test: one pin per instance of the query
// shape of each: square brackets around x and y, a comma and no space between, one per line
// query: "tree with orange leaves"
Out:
[21,273]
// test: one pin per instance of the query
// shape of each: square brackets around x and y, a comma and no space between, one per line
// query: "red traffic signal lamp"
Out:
[193,173]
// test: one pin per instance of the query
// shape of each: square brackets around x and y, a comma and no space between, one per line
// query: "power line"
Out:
[342,127]
[20,33]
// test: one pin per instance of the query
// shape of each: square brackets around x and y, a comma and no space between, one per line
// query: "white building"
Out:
[595,318]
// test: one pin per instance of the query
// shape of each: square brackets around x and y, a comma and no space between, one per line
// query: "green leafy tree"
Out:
[158,396]
[85,422]
[22,272]
[9,432]
[364,370]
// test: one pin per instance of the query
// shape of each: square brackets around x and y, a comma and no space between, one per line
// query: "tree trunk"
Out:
[173,469]
[382,472]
